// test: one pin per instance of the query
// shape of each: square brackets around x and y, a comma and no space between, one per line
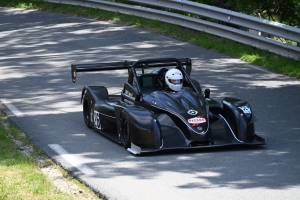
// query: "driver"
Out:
[173,79]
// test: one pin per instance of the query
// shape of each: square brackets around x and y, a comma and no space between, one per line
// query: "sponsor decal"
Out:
[130,94]
[192,112]
[197,120]
[245,109]
[97,123]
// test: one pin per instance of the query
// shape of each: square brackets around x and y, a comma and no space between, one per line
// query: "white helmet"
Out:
[173,79]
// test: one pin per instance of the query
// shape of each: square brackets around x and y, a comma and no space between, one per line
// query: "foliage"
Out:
[208,2]
[283,11]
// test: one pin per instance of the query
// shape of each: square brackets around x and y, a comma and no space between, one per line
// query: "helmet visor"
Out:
[175,81]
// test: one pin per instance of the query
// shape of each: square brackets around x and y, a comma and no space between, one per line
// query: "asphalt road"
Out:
[36,51]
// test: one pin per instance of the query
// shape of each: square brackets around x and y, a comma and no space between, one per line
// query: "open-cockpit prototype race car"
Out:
[146,118]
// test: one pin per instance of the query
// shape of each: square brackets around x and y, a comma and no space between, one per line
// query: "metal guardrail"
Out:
[219,14]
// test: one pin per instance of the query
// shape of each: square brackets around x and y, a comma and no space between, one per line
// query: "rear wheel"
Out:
[125,131]
[87,113]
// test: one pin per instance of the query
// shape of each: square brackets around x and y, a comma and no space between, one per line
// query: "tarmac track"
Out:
[36,51]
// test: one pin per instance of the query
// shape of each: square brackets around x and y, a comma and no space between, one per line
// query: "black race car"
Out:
[147,118]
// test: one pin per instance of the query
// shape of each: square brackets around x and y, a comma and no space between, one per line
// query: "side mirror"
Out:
[206,93]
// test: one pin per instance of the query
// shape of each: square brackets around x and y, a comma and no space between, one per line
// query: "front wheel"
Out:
[125,131]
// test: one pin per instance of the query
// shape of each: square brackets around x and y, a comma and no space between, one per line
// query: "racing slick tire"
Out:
[125,131]
[86,112]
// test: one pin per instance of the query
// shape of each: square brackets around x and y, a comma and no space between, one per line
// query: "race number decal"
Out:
[97,123]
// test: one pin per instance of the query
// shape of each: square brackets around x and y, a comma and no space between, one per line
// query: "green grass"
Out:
[247,53]
[20,176]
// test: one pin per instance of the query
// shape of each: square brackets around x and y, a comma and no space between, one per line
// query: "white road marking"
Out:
[12,108]
[72,159]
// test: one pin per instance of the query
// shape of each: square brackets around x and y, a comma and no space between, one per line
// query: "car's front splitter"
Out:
[139,150]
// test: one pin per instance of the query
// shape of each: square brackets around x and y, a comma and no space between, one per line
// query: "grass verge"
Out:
[21,167]
[247,53]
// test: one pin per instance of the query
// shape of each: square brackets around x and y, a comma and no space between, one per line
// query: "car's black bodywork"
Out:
[146,118]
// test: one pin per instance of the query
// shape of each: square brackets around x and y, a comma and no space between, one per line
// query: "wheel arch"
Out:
[240,117]
[90,97]
[144,127]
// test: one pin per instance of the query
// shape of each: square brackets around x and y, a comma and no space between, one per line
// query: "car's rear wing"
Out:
[147,63]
